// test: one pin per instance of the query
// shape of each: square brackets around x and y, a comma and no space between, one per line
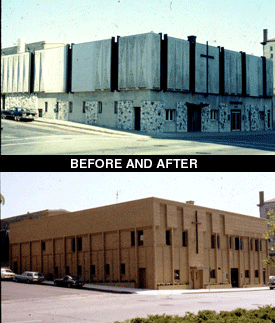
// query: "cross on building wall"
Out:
[207,56]
[197,236]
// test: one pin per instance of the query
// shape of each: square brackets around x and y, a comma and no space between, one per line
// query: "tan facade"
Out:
[150,243]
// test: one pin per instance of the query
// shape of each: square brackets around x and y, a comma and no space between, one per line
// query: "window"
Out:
[84,107]
[271,48]
[268,119]
[230,242]
[213,244]
[57,107]
[256,245]
[241,244]
[271,55]
[237,243]
[261,247]
[93,270]
[107,270]
[115,107]
[256,273]
[67,270]
[218,242]
[79,270]
[170,114]
[212,273]
[56,271]
[251,244]
[43,245]
[133,238]
[168,237]
[140,238]
[214,114]
[184,239]
[73,244]
[246,273]
[70,107]
[99,107]
[176,274]
[79,243]
[46,106]
[122,269]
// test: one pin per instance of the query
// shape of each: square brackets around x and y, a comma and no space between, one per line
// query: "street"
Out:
[24,303]
[38,138]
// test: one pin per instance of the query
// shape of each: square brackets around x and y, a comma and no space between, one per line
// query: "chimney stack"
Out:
[265,35]
[190,202]
[21,46]
[261,195]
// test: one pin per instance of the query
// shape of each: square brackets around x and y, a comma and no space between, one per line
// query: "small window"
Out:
[140,238]
[268,119]
[93,270]
[168,237]
[99,107]
[79,243]
[57,107]
[214,114]
[237,243]
[230,242]
[271,48]
[218,242]
[133,238]
[43,245]
[256,273]
[84,107]
[73,244]
[70,107]
[241,244]
[79,270]
[271,55]
[122,269]
[176,274]
[56,271]
[170,114]
[246,273]
[212,273]
[256,245]
[107,269]
[251,244]
[261,247]
[46,106]
[115,107]
[67,270]
[213,244]
[184,239]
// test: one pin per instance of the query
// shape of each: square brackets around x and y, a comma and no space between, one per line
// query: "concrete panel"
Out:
[139,62]
[51,70]
[178,64]
[91,66]
[269,77]
[232,72]
[201,67]
[15,73]
[254,76]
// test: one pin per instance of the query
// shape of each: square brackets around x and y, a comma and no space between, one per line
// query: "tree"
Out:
[2,199]
[270,233]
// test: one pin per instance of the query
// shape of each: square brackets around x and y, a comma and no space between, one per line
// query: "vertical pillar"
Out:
[104,257]
[154,256]
[63,270]
[192,65]
[118,257]
[164,62]
[30,263]
[229,260]
[172,255]
[243,74]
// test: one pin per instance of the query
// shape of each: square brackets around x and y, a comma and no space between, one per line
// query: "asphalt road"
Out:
[36,138]
[23,303]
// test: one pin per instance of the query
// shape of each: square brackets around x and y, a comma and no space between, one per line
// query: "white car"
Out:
[271,282]
[6,273]
[29,277]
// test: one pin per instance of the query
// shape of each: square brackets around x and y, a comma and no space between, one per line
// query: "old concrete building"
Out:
[269,51]
[147,82]
[150,243]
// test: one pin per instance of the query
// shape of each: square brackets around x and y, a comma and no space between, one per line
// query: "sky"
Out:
[233,24]
[234,192]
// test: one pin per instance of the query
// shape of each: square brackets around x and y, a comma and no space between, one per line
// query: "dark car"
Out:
[68,281]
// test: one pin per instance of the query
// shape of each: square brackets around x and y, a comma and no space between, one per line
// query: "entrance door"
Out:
[235,277]
[137,118]
[197,279]
[194,117]
[235,120]
[142,277]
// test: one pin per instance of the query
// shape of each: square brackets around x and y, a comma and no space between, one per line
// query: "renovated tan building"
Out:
[149,243]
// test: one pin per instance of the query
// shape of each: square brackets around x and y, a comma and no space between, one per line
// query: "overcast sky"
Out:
[233,24]
[236,192]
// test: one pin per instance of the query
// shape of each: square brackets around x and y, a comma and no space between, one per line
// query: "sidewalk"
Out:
[125,290]
[166,135]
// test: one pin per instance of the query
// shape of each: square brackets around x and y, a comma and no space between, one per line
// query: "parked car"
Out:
[18,114]
[68,281]
[29,277]
[271,282]
[6,273]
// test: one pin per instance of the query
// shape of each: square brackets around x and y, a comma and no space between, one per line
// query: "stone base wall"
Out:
[125,115]
[91,108]
[63,110]
[181,121]
[29,101]
[152,116]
